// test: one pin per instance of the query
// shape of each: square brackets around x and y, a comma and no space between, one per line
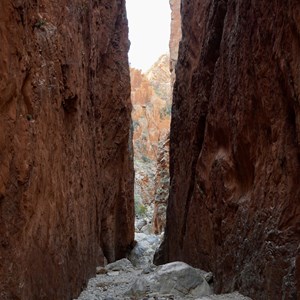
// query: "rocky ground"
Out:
[137,278]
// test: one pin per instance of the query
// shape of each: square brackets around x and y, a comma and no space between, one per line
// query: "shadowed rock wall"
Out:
[162,185]
[66,184]
[234,205]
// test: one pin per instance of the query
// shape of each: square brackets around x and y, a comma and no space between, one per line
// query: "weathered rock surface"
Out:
[174,281]
[162,184]
[234,205]
[176,278]
[159,78]
[66,184]
[151,98]
[142,254]
[175,36]
[120,265]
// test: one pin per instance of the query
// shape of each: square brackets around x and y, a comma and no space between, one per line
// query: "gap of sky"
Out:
[149,31]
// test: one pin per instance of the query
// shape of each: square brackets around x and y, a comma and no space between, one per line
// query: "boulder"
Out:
[101,270]
[139,224]
[143,252]
[120,265]
[176,278]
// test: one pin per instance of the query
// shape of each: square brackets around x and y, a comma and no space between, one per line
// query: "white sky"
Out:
[149,31]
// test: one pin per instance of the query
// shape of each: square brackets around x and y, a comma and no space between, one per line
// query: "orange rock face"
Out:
[151,99]
[175,35]
[234,147]
[66,184]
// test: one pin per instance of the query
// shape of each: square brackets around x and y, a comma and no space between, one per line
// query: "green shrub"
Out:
[140,209]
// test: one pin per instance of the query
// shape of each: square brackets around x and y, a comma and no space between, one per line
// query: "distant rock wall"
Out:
[234,205]
[151,99]
[66,184]
[162,184]
[175,36]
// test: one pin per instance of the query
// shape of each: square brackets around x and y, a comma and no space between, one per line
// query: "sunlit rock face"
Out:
[66,181]
[234,146]
[161,186]
[175,36]
[151,99]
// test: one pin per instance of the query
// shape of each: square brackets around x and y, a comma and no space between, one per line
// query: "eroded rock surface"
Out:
[234,146]
[151,98]
[142,254]
[66,184]
[176,278]
[175,36]
[162,184]
[173,281]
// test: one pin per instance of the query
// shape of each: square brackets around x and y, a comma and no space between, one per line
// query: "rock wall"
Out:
[162,185]
[151,99]
[234,205]
[175,36]
[66,184]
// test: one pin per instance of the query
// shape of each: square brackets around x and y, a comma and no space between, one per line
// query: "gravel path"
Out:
[114,285]
[117,283]
[123,279]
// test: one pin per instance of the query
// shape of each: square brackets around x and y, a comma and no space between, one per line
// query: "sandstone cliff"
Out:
[175,36]
[234,205]
[162,185]
[151,99]
[66,184]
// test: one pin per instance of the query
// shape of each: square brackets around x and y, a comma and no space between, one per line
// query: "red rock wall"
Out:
[162,185]
[151,99]
[234,205]
[66,184]
[175,36]
[141,89]
[151,114]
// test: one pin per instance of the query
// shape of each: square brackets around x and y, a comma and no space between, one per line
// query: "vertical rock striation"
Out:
[175,36]
[234,205]
[66,184]
[162,185]
[151,99]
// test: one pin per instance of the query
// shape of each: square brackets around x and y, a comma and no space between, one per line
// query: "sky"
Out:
[149,31]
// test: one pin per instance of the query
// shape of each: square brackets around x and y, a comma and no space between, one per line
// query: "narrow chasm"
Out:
[136,276]
[125,180]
